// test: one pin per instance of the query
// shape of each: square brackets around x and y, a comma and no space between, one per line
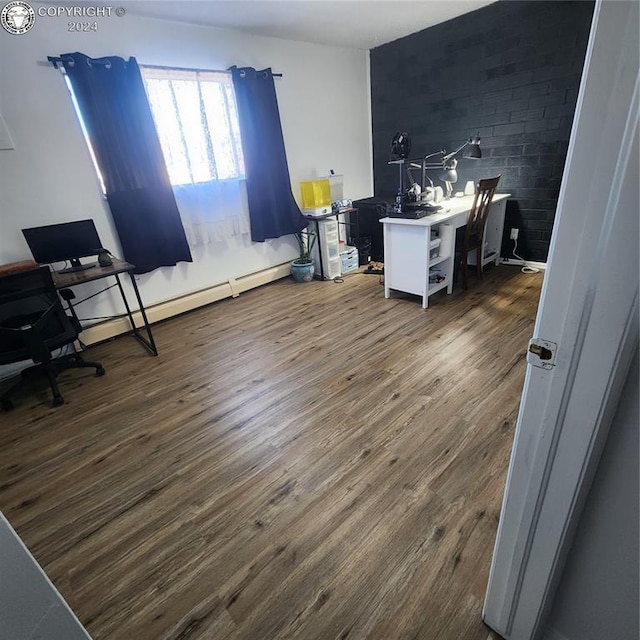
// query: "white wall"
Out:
[598,594]
[48,177]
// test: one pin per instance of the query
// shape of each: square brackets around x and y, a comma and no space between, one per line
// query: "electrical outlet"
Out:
[514,234]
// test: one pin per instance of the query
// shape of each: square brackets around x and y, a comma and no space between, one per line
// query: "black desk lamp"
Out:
[400,148]
[449,162]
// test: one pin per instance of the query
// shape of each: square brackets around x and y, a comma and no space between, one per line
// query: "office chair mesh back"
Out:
[28,300]
[34,325]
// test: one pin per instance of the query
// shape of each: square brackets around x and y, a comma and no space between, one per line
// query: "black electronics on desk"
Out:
[415,210]
[68,241]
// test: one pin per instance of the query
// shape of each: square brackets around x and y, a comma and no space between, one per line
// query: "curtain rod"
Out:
[55,61]
[158,66]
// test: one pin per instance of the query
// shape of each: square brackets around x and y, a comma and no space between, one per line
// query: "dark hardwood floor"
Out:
[305,461]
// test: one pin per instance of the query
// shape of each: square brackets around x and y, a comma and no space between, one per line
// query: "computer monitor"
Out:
[61,242]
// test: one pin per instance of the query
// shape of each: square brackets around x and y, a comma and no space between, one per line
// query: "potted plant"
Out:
[302,268]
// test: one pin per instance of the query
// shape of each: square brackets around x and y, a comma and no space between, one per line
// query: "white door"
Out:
[589,309]
[30,606]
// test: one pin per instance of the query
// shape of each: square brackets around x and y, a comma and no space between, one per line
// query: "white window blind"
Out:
[197,122]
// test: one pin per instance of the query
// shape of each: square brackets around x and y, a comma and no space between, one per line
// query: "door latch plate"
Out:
[542,353]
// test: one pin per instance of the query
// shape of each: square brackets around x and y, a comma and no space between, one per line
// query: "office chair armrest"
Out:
[67,294]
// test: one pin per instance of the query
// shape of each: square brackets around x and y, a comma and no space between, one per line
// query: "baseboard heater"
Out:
[161,311]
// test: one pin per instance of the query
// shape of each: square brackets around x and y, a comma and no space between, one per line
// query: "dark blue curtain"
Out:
[273,212]
[116,113]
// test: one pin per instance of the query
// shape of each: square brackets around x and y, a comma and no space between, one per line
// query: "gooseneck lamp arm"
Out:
[401,146]
[453,154]
[449,162]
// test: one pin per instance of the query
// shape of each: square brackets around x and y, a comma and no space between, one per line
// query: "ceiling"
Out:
[359,24]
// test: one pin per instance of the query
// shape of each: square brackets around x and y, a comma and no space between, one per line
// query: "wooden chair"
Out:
[471,236]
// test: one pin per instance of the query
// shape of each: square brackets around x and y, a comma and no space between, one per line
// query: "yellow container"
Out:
[315,193]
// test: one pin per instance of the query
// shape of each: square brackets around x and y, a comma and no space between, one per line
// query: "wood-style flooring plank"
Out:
[302,462]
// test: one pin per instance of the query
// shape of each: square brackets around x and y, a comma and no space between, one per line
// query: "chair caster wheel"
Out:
[100,371]
[6,405]
[57,401]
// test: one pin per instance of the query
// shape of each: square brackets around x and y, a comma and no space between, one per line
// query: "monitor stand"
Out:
[77,266]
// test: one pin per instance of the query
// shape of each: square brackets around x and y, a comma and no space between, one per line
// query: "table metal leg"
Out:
[319,250]
[147,342]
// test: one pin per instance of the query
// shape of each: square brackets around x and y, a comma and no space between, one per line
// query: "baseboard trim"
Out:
[522,263]
[170,308]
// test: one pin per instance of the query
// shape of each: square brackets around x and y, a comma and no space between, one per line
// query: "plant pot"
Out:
[302,271]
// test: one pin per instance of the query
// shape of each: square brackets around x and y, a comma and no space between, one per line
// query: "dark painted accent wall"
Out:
[510,72]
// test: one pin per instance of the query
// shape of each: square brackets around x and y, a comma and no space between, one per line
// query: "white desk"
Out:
[419,254]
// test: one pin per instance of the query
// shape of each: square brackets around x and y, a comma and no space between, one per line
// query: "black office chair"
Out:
[34,325]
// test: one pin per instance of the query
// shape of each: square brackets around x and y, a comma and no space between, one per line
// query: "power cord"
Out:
[527,268]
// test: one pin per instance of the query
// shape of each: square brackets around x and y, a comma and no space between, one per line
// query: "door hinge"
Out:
[542,353]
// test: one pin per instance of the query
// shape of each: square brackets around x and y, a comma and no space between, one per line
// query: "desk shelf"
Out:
[434,261]
[438,286]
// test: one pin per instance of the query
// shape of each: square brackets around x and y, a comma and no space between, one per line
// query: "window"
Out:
[197,122]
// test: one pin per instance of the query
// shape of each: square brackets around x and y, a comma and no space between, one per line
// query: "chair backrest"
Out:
[32,319]
[477,217]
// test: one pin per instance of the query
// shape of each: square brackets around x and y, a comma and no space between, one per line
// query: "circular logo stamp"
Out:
[17,17]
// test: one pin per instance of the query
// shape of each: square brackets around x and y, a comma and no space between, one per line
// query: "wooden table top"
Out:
[72,278]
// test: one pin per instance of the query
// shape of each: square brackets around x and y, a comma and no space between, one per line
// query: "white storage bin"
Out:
[349,265]
[329,244]
[349,259]
[332,269]
[328,226]
[333,251]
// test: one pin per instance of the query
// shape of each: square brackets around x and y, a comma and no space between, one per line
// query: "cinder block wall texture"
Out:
[509,72]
